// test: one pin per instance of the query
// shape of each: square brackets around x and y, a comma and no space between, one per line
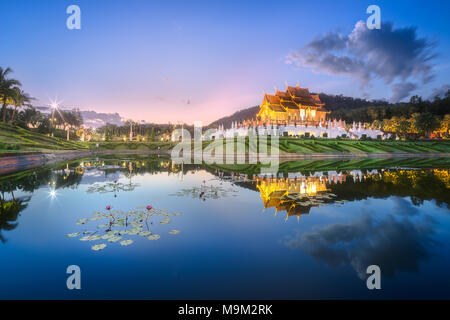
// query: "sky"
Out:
[192,60]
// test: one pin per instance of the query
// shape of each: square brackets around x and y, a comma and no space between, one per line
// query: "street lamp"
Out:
[54,104]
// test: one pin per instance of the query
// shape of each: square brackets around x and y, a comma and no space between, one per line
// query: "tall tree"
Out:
[20,99]
[7,89]
[426,123]
[152,137]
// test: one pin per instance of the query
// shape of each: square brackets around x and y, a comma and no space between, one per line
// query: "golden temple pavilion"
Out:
[294,106]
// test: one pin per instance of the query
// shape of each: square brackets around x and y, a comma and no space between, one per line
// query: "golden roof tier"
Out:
[295,105]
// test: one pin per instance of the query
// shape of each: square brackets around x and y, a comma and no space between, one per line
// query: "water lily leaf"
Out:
[72,235]
[145,233]
[126,242]
[174,232]
[154,237]
[98,247]
[114,239]
[133,231]
[107,236]
[90,238]
[82,221]
[165,221]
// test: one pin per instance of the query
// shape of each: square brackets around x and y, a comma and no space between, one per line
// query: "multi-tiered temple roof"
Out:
[294,104]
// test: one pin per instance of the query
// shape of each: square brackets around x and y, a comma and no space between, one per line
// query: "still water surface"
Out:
[226,233]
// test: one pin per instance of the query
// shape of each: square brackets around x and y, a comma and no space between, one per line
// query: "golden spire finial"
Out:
[275,89]
[298,84]
[287,85]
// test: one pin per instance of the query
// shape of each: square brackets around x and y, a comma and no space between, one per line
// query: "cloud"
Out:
[402,90]
[403,207]
[393,244]
[440,92]
[392,55]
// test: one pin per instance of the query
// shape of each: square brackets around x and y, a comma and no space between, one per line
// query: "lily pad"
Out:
[98,247]
[154,237]
[72,235]
[82,221]
[126,242]
[90,238]
[174,232]
[114,239]
[107,236]
[165,221]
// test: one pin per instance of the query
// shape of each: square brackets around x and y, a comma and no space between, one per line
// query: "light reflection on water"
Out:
[304,234]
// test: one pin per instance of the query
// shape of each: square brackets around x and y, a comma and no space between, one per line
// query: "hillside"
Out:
[240,115]
[13,139]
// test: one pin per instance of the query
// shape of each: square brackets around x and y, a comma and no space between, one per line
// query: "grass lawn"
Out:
[18,140]
[335,146]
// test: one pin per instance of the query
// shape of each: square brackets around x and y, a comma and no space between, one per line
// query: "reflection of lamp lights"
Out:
[52,194]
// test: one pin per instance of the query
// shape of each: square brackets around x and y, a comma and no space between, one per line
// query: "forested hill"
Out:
[351,109]
[356,109]
[241,115]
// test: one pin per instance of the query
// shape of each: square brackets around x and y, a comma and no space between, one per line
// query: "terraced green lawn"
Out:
[16,139]
[333,146]
[13,139]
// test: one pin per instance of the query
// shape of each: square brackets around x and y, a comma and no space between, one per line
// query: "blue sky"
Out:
[175,61]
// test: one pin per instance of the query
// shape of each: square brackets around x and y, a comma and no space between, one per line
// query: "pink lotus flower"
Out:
[149,207]
[108,207]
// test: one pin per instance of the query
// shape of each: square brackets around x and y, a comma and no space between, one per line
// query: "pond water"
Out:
[226,232]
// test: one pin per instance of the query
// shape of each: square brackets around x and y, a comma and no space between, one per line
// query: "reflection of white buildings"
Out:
[333,129]
[328,176]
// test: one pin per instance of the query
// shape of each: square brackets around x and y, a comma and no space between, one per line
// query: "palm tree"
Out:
[20,99]
[7,89]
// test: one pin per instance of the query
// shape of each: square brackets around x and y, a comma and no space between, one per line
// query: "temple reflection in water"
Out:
[296,196]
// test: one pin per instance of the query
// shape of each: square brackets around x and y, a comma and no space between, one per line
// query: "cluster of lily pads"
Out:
[206,192]
[117,226]
[319,199]
[111,187]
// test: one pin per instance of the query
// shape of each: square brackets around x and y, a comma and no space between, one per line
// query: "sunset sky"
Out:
[163,61]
